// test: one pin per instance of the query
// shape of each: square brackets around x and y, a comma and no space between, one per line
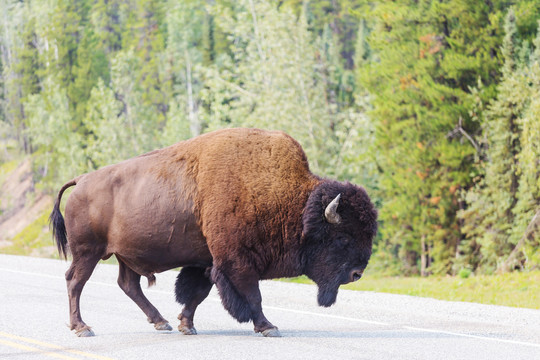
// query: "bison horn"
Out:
[330,213]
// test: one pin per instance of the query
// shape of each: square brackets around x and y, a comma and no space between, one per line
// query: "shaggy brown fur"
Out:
[232,207]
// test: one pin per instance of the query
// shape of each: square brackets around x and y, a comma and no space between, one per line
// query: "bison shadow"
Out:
[328,334]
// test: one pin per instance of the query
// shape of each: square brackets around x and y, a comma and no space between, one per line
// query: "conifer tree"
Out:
[528,203]
[14,18]
[499,188]
[105,17]
[187,23]
[503,203]
[415,100]
[429,54]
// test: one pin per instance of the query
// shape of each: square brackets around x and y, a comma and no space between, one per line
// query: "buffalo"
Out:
[231,207]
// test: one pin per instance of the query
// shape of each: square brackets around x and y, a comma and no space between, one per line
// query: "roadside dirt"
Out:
[20,203]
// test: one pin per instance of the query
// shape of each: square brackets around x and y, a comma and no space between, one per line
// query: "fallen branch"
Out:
[459,129]
[505,267]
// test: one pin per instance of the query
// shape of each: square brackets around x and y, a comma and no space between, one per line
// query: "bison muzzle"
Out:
[231,207]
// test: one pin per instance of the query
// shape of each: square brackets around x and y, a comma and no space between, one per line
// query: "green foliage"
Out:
[518,289]
[429,55]
[504,201]
[279,78]
[107,125]
[464,273]
[52,130]
[415,100]
[33,240]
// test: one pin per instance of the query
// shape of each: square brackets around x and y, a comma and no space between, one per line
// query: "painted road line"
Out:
[35,350]
[316,314]
[217,300]
[51,346]
[373,322]
[435,331]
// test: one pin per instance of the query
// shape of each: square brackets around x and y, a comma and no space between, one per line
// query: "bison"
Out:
[230,207]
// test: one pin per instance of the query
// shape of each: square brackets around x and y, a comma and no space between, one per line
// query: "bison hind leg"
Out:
[232,301]
[191,282]
[192,287]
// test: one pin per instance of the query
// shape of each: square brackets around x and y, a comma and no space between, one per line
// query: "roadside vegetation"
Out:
[517,289]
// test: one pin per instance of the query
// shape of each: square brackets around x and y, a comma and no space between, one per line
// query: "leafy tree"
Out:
[274,80]
[50,126]
[14,18]
[186,23]
[415,100]
[111,139]
[105,17]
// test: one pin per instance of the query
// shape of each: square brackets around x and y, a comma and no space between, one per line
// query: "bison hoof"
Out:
[163,326]
[187,330]
[84,332]
[272,332]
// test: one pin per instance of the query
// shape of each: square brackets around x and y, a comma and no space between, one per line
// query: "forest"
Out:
[432,105]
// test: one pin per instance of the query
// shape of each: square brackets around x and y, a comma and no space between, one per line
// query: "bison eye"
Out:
[343,241]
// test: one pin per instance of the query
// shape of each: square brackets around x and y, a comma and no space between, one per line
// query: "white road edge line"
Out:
[472,336]
[327,315]
[217,300]
[309,313]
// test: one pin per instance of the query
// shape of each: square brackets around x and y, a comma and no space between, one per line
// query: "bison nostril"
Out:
[356,275]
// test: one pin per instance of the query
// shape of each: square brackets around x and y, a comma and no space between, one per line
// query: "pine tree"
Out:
[91,64]
[501,206]
[12,44]
[187,23]
[145,37]
[427,56]
[110,140]
[105,17]
[50,122]
[528,203]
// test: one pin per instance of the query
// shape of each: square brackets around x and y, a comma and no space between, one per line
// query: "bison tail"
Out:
[56,222]
[151,280]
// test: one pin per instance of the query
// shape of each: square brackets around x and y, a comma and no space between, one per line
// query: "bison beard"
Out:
[327,294]
[231,207]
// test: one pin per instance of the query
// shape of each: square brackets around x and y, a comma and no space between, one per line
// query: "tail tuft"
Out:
[56,222]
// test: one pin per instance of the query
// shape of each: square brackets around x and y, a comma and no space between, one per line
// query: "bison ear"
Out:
[330,213]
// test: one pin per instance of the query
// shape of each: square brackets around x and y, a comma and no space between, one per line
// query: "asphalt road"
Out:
[362,325]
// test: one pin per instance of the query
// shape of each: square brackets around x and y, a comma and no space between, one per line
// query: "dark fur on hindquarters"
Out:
[190,282]
[232,301]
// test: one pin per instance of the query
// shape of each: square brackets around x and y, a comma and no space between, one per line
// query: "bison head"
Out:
[339,223]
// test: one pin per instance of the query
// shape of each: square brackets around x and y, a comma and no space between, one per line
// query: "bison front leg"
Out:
[240,295]
[129,281]
[192,287]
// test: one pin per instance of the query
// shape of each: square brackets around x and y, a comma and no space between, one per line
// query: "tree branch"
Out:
[505,267]
[459,129]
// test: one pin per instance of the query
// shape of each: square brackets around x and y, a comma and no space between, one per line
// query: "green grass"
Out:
[518,289]
[33,240]
[8,167]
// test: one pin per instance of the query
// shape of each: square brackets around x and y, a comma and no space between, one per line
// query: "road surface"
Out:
[362,325]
